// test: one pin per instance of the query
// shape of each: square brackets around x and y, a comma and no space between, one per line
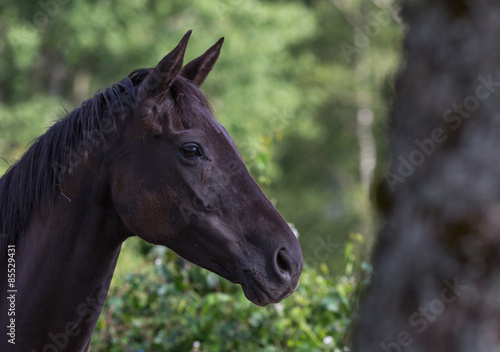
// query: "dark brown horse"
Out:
[144,158]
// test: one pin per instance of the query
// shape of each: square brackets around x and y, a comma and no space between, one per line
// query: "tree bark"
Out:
[436,285]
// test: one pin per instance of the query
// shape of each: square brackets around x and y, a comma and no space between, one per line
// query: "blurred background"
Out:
[303,86]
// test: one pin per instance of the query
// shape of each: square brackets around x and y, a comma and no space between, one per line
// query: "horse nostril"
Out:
[283,263]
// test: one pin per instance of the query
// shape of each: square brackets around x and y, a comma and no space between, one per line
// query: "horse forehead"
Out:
[221,130]
[218,128]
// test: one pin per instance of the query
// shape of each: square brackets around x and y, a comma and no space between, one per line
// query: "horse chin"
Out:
[258,295]
[255,291]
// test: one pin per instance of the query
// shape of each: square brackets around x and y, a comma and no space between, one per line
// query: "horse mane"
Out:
[34,178]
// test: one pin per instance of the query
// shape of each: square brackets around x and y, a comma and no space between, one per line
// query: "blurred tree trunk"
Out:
[437,262]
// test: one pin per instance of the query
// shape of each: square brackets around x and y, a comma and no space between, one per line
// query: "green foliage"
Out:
[288,93]
[284,87]
[171,305]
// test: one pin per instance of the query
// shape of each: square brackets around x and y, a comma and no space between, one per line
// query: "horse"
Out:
[144,157]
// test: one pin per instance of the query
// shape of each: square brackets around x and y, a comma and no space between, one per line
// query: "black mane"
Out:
[35,177]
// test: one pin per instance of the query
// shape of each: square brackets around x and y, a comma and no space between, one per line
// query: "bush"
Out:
[171,305]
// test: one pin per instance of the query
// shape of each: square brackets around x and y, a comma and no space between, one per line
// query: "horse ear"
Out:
[162,76]
[198,69]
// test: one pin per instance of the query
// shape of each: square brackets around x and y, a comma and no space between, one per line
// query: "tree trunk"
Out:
[436,285]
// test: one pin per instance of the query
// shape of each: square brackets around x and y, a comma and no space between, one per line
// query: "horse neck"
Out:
[65,260]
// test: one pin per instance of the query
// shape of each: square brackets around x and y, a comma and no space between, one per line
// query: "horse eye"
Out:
[191,150]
